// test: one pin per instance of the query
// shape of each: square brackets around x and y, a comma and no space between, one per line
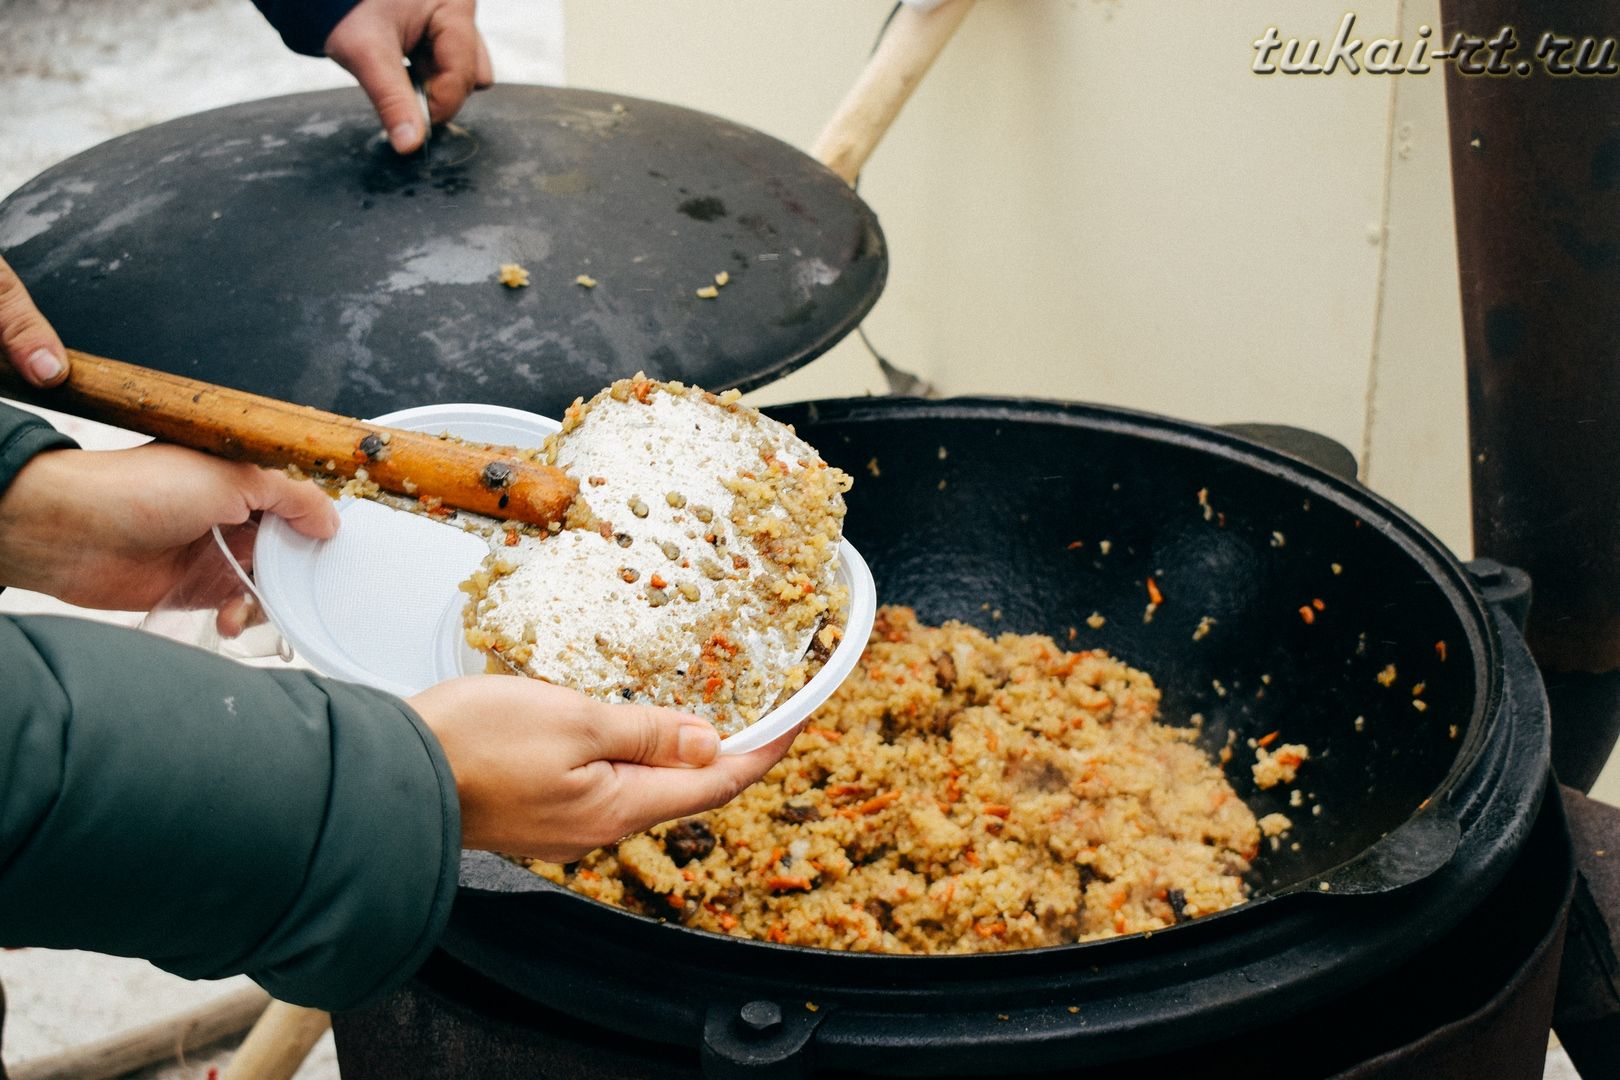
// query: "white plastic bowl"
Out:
[379,605]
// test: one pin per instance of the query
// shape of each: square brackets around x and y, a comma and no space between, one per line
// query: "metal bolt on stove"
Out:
[757,1039]
[760,1017]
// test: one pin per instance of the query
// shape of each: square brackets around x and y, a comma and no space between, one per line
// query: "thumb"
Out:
[27,339]
[303,505]
[378,66]
[643,735]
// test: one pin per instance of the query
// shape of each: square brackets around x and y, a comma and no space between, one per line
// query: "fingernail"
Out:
[402,135]
[44,365]
[697,744]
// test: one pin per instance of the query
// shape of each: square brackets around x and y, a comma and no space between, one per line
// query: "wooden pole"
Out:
[907,50]
[166,1039]
[278,1043]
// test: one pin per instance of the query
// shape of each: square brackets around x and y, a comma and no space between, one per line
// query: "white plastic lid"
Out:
[379,604]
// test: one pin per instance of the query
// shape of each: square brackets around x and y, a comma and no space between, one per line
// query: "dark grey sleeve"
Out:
[304,24]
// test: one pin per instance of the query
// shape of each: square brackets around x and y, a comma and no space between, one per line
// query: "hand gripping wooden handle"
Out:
[496,480]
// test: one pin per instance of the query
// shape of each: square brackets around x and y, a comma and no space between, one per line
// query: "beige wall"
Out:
[1099,200]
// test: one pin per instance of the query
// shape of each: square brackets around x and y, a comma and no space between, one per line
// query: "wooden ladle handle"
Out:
[907,50]
[497,480]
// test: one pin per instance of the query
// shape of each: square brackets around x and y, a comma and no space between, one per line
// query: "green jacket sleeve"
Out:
[163,802]
[22,435]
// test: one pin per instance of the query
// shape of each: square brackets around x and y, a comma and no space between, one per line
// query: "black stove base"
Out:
[1479,1003]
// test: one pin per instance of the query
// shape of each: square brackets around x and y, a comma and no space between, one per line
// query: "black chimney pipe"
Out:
[1535,162]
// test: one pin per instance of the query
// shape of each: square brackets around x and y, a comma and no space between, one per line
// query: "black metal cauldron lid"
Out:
[280,247]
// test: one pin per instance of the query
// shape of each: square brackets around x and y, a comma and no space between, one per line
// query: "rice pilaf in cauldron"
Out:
[959,793]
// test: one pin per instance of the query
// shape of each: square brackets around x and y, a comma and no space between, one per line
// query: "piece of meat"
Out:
[688,839]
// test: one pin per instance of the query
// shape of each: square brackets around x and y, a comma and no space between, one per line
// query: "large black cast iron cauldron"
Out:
[972,509]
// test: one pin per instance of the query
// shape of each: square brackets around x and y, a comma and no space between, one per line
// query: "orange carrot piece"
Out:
[784,883]
[878,802]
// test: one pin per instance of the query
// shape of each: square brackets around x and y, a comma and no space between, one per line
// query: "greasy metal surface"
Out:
[1536,174]
[280,247]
